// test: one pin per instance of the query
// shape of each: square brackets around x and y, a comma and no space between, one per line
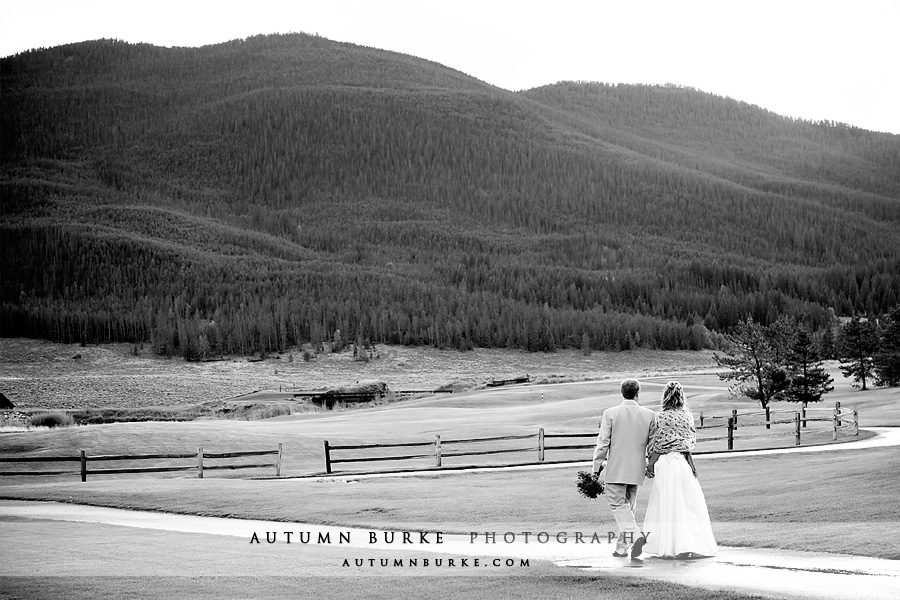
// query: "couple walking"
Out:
[677,521]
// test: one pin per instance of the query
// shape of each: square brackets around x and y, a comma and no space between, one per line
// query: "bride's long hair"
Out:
[673,396]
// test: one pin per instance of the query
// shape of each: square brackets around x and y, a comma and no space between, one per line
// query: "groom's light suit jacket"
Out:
[625,431]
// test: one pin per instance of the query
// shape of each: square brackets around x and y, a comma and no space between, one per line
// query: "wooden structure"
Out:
[199,462]
[839,418]
[437,449]
[513,381]
[329,399]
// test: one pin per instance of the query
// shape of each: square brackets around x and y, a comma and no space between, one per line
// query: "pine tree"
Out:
[756,358]
[808,379]
[887,359]
[585,344]
[827,344]
[858,342]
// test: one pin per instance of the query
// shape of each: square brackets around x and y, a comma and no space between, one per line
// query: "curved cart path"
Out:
[768,572]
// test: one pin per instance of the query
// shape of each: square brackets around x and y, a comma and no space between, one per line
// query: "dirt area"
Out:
[36,374]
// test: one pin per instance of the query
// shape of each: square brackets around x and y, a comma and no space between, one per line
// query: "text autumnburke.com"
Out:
[436,562]
[430,538]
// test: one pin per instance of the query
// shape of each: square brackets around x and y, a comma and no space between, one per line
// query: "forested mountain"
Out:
[257,194]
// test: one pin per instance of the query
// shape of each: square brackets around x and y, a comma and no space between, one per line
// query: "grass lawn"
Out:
[833,502]
[829,502]
[562,585]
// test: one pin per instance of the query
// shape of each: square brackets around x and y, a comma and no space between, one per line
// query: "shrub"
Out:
[54,419]
[256,412]
[268,412]
[96,416]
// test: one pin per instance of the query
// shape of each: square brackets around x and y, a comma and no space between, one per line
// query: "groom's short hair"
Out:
[630,389]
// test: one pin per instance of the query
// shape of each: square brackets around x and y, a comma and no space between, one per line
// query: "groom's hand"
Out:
[650,472]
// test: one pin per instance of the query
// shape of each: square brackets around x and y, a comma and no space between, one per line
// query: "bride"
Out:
[677,521]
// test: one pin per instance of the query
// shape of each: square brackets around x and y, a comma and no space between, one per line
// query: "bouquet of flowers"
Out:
[589,485]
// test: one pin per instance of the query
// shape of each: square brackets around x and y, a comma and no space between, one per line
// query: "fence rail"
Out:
[200,456]
[490,439]
[799,420]
[438,454]
[840,419]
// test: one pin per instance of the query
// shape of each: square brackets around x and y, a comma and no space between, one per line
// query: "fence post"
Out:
[83,466]
[327,458]
[541,444]
[278,462]
[199,462]
[768,418]
[837,413]
[734,416]
[797,427]
[803,413]
[731,433]
[855,421]
[437,450]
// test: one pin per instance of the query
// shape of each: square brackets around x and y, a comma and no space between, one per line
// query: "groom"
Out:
[625,431]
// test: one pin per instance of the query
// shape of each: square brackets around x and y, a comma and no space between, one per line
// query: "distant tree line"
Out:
[94,290]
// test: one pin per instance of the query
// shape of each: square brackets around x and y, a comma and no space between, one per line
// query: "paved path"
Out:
[773,573]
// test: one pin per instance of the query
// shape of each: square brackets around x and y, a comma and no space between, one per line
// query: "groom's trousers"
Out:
[622,498]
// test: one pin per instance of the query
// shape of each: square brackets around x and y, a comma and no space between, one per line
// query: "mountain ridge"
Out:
[420,205]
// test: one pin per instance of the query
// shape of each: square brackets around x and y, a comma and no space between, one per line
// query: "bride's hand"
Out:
[650,472]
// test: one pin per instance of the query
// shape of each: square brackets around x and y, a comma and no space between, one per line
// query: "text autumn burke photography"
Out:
[429,538]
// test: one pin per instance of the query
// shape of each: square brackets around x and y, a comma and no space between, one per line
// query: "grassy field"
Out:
[48,375]
[826,501]
[561,585]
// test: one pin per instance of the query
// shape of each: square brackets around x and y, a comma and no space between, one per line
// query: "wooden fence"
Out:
[435,451]
[200,464]
[839,418]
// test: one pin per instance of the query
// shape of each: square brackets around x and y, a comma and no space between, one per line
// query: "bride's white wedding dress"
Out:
[677,519]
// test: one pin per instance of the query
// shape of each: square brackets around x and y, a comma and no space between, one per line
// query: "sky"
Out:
[815,60]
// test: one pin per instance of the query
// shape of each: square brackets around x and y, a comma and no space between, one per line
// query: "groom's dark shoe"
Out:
[638,546]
